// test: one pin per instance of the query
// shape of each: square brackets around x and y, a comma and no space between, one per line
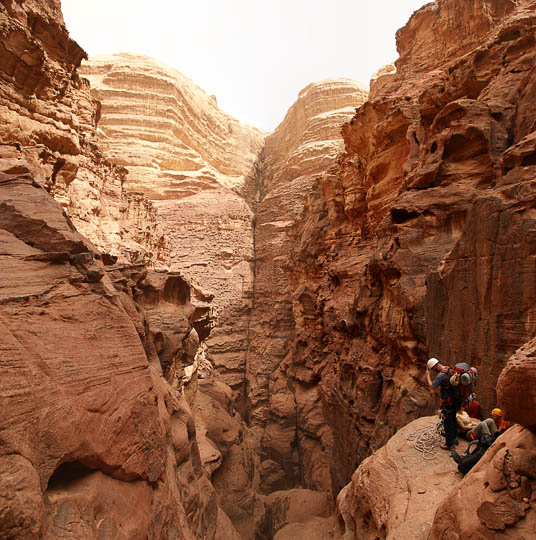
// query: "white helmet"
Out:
[432,362]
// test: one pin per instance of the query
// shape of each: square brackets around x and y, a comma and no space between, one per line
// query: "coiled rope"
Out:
[426,440]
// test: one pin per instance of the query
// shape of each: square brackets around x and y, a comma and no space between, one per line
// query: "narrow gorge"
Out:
[213,332]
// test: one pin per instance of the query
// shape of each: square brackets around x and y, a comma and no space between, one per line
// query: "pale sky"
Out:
[254,56]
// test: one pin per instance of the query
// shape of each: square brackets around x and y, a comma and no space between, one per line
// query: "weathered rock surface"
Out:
[170,134]
[46,109]
[283,408]
[395,492]
[419,242]
[199,167]
[516,389]
[89,427]
[497,499]
[204,200]
[293,294]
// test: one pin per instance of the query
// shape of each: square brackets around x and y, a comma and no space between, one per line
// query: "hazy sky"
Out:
[254,55]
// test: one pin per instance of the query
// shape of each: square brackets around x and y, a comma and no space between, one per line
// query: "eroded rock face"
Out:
[89,426]
[516,392]
[283,408]
[395,492]
[306,290]
[419,243]
[46,109]
[500,491]
[198,165]
[204,200]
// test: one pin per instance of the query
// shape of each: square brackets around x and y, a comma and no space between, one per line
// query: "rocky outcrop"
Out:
[89,426]
[516,391]
[395,492]
[418,243]
[283,408]
[498,498]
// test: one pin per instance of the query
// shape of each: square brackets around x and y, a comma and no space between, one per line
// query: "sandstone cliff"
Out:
[419,242]
[172,147]
[286,413]
[400,492]
[90,429]
[292,293]
[46,109]
[198,166]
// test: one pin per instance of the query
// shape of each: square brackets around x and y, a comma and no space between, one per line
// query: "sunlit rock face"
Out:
[90,429]
[419,243]
[198,165]
[46,108]
[285,411]
[170,134]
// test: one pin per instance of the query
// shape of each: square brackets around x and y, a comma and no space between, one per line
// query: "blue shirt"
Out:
[442,379]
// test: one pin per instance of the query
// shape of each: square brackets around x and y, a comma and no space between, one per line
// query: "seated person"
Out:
[472,428]
[500,423]
[473,407]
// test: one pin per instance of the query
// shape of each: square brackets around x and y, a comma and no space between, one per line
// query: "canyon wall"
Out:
[199,168]
[289,286]
[47,110]
[418,243]
[205,195]
[89,427]
[284,412]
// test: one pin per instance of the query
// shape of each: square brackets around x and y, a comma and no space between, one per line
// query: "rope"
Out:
[426,441]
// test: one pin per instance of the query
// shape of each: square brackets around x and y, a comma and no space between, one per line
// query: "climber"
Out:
[450,399]
[471,428]
[501,424]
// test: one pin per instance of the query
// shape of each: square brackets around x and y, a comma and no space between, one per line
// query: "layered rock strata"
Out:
[198,166]
[418,243]
[46,109]
[89,427]
[206,210]
[285,410]
[306,290]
